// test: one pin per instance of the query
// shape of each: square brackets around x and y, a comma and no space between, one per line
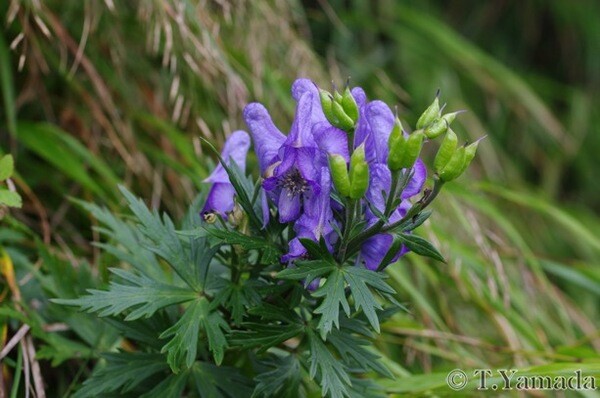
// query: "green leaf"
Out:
[359,279]
[264,335]
[171,386]
[274,313]
[330,372]
[128,241]
[7,166]
[219,381]
[317,251]
[306,270]
[271,253]
[123,372]
[182,348]
[416,221]
[351,349]
[283,379]
[10,198]
[334,296]
[168,245]
[142,296]
[391,253]
[237,298]
[421,246]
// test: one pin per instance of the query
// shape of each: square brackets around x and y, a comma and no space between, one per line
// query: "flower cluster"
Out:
[347,175]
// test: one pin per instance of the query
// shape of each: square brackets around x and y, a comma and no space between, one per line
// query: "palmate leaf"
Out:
[237,298]
[165,241]
[141,296]
[334,295]
[359,279]
[264,336]
[330,372]
[365,388]
[270,252]
[172,386]
[126,242]
[307,271]
[360,282]
[219,381]
[182,348]
[283,379]
[123,372]
[351,349]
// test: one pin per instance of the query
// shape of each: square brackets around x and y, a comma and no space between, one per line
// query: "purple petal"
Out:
[307,162]
[288,155]
[362,132]
[267,138]
[289,206]
[220,198]
[417,181]
[302,86]
[359,96]
[264,203]
[301,130]
[374,250]
[380,180]
[331,140]
[236,148]
[401,211]
[381,121]
[296,250]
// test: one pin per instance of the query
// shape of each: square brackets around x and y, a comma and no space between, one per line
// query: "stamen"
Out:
[294,183]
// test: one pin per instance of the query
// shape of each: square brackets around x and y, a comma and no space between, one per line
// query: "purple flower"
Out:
[315,221]
[221,194]
[289,165]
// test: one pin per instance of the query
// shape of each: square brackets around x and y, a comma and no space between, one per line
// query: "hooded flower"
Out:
[316,220]
[289,165]
[221,194]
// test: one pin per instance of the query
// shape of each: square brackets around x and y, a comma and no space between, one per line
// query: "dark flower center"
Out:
[294,183]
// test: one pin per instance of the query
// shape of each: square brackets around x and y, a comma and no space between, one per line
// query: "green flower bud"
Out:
[344,122]
[396,147]
[449,117]
[430,114]
[349,105]
[454,168]
[337,97]
[437,128]
[396,134]
[339,174]
[470,151]
[414,144]
[359,173]
[327,104]
[447,149]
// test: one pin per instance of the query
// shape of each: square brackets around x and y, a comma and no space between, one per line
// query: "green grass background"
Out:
[98,93]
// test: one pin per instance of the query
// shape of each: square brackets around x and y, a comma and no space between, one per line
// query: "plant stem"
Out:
[350,212]
[379,227]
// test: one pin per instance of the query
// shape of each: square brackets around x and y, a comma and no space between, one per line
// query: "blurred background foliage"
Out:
[98,93]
